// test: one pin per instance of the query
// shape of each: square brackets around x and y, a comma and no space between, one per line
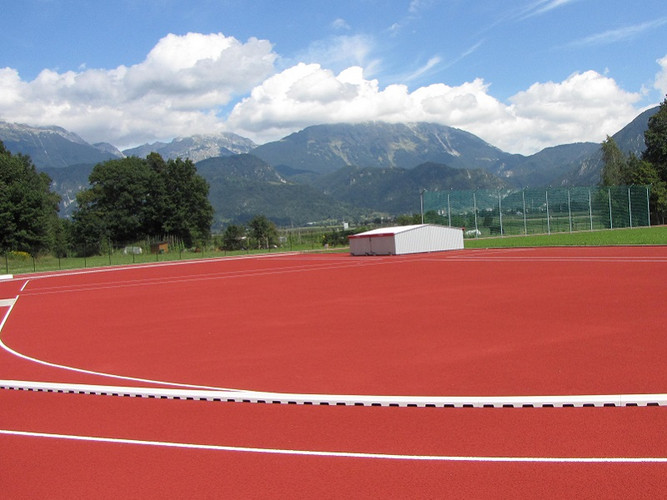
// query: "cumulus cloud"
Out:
[584,107]
[176,90]
[188,84]
[661,77]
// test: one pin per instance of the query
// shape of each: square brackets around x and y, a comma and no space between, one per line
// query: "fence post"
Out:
[611,220]
[523,198]
[449,211]
[569,209]
[590,208]
[546,195]
[474,207]
[648,207]
[6,263]
[629,207]
[500,214]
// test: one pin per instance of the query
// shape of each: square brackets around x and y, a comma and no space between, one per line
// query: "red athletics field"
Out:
[563,322]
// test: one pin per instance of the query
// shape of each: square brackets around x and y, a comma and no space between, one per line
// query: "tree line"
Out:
[648,169]
[129,200]
[259,233]
[133,199]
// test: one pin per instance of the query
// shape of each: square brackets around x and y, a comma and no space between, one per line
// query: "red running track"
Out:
[510,322]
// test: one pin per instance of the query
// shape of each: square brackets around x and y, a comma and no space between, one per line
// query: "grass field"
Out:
[636,236]
[24,263]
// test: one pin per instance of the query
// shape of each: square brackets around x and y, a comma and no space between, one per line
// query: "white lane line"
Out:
[7,303]
[336,454]
[91,372]
[188,279]
[126,267]
[239,396]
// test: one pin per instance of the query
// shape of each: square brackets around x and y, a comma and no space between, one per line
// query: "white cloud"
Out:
[661,77]
[176,90]
[187,82]
[584,107]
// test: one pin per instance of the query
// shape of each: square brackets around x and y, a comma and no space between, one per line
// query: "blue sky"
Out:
[521,74]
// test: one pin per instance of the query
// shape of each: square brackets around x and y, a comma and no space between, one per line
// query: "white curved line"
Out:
[598,400]
[92,372]
[242,395]
[335,454]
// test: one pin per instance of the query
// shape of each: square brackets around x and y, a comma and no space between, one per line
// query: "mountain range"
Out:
[197,147]
[328,172]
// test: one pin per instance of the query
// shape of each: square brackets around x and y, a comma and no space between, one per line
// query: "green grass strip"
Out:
[609,237]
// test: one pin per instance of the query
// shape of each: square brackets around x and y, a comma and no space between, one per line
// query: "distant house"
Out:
[406,239]
[160,247]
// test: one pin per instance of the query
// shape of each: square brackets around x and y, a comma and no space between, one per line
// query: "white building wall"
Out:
[407,239]
[429,238]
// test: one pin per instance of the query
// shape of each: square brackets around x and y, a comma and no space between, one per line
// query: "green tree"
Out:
[263,231]
[655,138]
[233,238]
[653,168]
[408,220]
[28,207]
[188,212]
[615,166]
[132,198]
[88,224]
[119,195]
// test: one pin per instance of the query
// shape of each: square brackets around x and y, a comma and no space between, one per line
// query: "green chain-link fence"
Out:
[539,210]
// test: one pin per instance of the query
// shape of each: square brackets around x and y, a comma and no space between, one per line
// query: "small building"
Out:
[406,239]
[160,247]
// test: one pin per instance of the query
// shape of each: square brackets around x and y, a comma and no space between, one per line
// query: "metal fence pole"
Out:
[546,195]
[569,209]
[449,211]
[500,214]
[590,208]
[611,220]
[474,205]
[523,198]
[648,207]
[629,207]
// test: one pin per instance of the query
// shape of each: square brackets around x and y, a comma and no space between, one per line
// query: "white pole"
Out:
[569,209]
[548,221]
[590,208]
[500,213]
[421,203]
[630,207]
[523,197]
[474,204]
[449,211]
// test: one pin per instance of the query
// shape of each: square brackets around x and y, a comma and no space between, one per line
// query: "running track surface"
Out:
[483,323]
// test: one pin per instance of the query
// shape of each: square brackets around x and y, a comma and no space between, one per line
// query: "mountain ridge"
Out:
[389,163]
[197,147]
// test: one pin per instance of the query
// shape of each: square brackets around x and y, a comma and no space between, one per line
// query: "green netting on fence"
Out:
[538,211]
